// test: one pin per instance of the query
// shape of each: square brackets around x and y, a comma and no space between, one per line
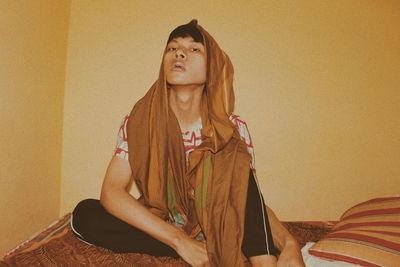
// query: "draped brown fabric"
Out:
[156,153]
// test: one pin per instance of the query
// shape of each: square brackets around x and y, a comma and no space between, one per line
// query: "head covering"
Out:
[210,189]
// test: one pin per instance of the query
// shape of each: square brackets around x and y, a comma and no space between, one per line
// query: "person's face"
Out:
[185,62]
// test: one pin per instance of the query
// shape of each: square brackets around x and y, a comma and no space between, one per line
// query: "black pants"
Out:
[92,223]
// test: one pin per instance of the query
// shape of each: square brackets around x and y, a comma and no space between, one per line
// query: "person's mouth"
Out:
[178,66]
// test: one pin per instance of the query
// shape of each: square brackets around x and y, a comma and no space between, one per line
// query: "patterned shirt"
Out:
[191,138]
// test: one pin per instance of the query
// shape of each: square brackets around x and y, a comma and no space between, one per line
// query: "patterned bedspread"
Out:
[57,246]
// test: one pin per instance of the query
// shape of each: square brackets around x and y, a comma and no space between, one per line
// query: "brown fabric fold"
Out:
[156,153]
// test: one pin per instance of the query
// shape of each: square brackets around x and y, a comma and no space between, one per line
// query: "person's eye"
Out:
[171,48]
[195,49]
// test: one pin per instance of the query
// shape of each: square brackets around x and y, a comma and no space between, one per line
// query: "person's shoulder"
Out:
[122,133]
[241,126]
[238,121]
[126,117]
[124,120]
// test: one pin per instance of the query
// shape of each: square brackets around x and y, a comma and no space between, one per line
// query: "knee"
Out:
[83,214]
[85,207]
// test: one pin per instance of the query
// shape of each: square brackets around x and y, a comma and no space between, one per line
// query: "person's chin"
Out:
[173,82]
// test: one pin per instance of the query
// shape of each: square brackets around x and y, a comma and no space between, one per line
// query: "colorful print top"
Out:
[191,138]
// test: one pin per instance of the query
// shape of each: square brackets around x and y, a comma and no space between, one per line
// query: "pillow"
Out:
[367,234]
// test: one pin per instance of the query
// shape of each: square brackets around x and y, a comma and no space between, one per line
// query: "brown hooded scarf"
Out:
[209,189]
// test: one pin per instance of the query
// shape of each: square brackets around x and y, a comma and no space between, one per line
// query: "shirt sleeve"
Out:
[241,125]
[121,149]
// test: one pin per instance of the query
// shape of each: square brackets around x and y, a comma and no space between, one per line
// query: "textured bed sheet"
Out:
[57,246]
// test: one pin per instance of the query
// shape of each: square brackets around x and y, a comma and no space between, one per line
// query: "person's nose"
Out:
[180,54]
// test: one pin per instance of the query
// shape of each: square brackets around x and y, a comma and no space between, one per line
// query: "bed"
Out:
[57,246]
[325,243]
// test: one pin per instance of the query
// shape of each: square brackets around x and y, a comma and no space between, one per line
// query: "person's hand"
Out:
[290,255]
[193,252]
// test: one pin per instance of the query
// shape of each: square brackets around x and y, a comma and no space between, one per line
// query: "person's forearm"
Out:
[281,235]
[125,207]
[285,242]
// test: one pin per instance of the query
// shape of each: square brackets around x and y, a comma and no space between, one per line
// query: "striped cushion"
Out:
[367,234]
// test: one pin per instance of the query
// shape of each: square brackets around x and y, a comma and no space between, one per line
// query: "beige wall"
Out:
[317,82]
[33,38]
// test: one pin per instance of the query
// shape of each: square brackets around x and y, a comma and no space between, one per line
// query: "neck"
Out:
[185,103]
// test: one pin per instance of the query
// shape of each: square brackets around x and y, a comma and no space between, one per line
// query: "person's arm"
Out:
[285,242]
[116,199]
